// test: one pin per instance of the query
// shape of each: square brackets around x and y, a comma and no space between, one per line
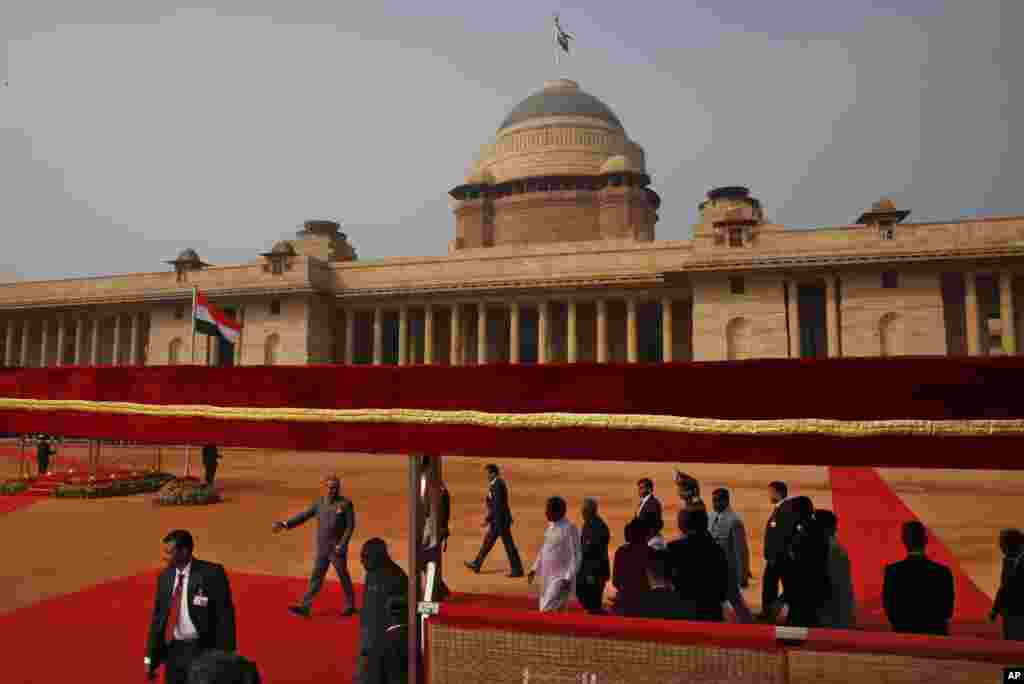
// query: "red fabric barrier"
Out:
[916,646]
[845,389]
[1001,453]
[754,637]
[842,389]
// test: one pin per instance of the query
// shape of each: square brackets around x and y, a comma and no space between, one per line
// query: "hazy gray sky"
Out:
[130,130]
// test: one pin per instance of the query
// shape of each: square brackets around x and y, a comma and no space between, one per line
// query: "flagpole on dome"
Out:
[561,41]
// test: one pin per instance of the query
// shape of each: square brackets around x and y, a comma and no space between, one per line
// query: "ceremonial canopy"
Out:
[912,412]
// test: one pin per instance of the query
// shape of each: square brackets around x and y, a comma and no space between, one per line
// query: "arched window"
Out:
[270,349]
[739,341]
[890,335]
[174,352]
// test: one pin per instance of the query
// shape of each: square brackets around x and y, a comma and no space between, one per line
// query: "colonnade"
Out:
[126,345]
[459,337]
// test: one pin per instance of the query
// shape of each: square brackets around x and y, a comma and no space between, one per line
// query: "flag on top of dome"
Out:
[561,37]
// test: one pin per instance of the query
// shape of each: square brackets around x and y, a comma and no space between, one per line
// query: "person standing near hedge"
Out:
[336,521]
[43,453]
[210,458]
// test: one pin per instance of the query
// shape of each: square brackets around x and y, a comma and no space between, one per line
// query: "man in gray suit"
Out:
[336,520]
[727,529]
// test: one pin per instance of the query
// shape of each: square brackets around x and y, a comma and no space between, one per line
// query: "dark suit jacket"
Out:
[778,531]
[700,573]
[499,515]
[445,513]
[629,574]
[210,455]
[918,595]
[651,507]
[594,539]
[663,604]
[215,621]
[1010,597]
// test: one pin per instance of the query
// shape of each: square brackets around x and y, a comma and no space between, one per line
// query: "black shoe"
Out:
[301,611]
[472,566]
[349,612]
[516,573]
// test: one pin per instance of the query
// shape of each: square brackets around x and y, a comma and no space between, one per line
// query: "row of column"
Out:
[543,333]
[80,322]
[1007,315]
[974,318]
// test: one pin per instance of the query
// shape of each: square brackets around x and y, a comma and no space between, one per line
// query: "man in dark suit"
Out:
[192,611]
[210,458]
[499,524]
[595,571]
[918,593]
[777,534]
[661,601]
[336,521]
[383,653]
[699,567]
[1009,602]
[649,504]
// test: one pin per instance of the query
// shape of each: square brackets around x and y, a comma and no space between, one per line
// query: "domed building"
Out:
[560,169]
[554,258]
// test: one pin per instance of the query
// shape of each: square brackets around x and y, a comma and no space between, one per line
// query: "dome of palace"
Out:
[560,98]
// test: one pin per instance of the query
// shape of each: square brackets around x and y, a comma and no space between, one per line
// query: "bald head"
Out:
[331,485]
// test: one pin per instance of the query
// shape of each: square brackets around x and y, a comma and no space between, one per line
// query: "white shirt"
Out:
[184,630]
[559,561]
[642,502]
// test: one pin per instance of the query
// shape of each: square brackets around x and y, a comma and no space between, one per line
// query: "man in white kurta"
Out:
[559,560]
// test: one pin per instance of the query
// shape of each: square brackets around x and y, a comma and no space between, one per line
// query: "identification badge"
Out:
[339,509]
[200,601]
[773,523]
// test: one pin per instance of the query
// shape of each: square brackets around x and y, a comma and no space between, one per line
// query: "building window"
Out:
[890,280]
[270,350]
[735,237]
[179,313]
[737,286]
[275,307]
[887,233]
[277,266]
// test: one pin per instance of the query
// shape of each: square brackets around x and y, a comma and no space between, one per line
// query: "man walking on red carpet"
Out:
[336,520]
[192,611]
[498,523]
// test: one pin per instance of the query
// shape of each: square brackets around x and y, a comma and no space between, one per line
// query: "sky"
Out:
[131,130]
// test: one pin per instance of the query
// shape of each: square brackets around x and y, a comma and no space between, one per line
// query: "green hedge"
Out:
[147,485]
[13,487]
[187,493]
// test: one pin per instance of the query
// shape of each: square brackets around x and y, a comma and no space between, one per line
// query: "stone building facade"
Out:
[555,260]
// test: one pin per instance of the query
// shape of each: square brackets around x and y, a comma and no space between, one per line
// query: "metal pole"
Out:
[23,467]
[434,478]
[415,529]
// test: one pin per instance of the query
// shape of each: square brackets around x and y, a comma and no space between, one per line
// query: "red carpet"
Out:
[14,502]
[870,517]
[102,630]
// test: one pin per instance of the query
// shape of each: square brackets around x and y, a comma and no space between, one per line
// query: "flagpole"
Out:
[194,325]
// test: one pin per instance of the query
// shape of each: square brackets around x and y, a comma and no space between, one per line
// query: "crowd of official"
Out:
[698,575]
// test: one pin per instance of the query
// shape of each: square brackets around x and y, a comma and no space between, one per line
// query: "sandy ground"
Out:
[61,546]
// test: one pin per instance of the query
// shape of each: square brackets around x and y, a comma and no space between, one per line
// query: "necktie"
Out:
[175,610]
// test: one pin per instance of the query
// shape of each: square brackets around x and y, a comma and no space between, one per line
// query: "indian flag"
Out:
[210,320]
